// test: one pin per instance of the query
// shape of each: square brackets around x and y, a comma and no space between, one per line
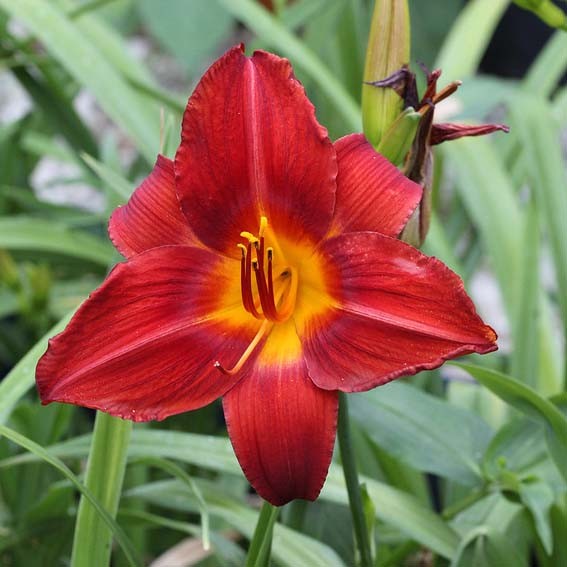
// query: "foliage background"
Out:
[456,474]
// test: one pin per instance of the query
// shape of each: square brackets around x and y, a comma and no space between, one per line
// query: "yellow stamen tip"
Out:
[249,236]
[242,248]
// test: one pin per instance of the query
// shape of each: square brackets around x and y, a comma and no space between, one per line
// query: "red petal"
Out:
[444,132]
[282,429]
[398,312]
[152,217]
[371,193]
[251,146]
[143,345]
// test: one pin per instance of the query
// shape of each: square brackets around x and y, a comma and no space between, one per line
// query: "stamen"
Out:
[266,304]
[266,299]
[246,284]
[266,326]
[249,236]
[270,253]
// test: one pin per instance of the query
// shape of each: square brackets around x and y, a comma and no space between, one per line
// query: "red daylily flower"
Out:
[262,266]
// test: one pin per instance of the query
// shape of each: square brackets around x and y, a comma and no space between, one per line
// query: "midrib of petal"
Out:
[406,324]
[253,135]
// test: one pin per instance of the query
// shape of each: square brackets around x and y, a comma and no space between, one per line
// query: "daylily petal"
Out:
[144,344]
[282,428]
[397,312]
[152,217]
[251,146]
[372,194]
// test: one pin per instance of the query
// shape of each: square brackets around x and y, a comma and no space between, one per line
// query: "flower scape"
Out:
[263,266]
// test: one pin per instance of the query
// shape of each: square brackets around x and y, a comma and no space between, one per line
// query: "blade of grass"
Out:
[179,473]
[479,173]
[524,356]
[549,66]
[540,137]
[105,517]
[468,38]
[86,63]
[21,378]
[30,233]
[393,506]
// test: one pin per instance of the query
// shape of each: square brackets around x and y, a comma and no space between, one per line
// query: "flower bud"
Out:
[398,139]
[388,50]
[547,11]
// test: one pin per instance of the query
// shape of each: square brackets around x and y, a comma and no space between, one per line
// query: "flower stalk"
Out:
[261,543]
[92,544]
[353,486]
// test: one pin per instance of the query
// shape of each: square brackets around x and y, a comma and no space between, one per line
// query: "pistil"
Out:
[262,331]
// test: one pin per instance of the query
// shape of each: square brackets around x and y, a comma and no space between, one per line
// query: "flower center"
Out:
[272,299]
[275,296]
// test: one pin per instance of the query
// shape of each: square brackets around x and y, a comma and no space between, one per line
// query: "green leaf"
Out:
[179,473]
[45,456]
[85,62]
[548,68]
[524,356]
[541,140]
[92,542]
[528,401]
[119,188]
[479,171]
[538,498]
[289,548]
[192,31]
[484,547]
[275,34]
[398,509]
[28,233]
[521,448]
[393,506]
[21,378]
[423,431]
[473,28]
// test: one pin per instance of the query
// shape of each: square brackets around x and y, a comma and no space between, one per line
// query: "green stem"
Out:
[296,514]
[352,484]
[450,512]
[104,477]
[261,544]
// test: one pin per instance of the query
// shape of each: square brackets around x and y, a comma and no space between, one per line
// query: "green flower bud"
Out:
[388,50]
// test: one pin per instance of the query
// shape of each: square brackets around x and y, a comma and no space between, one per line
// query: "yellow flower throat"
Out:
[273,298]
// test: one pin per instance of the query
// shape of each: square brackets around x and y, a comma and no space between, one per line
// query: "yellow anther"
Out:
[249,236]
[242,248]
[263,225]
[270,252]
